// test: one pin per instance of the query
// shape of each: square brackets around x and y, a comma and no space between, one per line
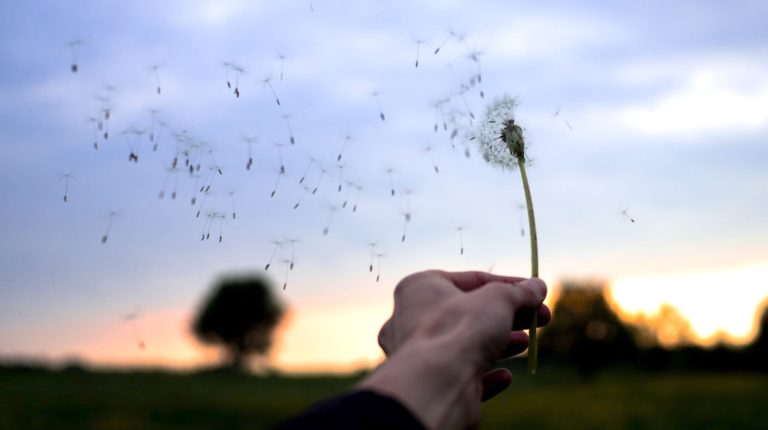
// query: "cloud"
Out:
[709,101]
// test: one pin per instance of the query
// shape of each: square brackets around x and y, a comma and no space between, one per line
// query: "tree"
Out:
[585,331]
[240,314]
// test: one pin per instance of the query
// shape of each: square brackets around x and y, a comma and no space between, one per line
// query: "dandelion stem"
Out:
[532,342]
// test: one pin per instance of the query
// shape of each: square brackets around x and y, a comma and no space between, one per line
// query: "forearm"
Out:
[433,381]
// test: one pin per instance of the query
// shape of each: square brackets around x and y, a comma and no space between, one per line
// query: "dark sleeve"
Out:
[355,410]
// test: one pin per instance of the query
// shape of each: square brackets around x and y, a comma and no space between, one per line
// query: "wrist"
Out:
[441,390]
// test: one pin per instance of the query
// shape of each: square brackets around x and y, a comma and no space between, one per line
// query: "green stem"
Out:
[533,348]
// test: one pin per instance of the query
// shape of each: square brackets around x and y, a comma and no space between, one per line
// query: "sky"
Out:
[647,126]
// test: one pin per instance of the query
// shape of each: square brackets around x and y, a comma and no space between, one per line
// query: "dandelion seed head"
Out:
[500,140]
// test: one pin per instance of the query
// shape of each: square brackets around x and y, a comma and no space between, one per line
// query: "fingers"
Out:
[523,318]
[494,382]
[518,342]
[526,294]
[472,280]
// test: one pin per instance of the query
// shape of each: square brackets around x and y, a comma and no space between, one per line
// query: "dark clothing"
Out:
[355,410]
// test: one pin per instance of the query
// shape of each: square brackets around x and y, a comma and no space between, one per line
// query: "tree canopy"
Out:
[240,314]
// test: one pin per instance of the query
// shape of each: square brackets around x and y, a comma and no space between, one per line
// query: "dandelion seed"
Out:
[75,48]
[319,179]
[97,127]
[280,173]
[625,213]
[278,244]
[372,245]
[428,150]
[209,218]
[439,47]
[222,218]
[155,70]
[227,67]
[332,209]
[152,118]
[461,229]
[358,190]
[462,92]
[378,269]
[133,137]
[279,147]
[556,114]
[293,242]
[287,263]
[234,206]
[391,181]
[478,77]
[287,119]
[418,48]
[267,82]
[206,193]
[347,139]
[375,95]
[350,186]
[340,167]
[110,217]
[170,172]
[131,318]
[440,114]
[237,71]
[306,171]
[301,198]
[250,140]
[282,65]
[66,176]
[521,210]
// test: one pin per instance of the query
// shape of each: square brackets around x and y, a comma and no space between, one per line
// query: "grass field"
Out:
[554,400]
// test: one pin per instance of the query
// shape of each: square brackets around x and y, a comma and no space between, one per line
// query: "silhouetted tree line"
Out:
[586,333]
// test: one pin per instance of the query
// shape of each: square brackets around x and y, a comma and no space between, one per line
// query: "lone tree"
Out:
[240,314]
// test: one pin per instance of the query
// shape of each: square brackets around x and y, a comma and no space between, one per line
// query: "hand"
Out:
[445,334]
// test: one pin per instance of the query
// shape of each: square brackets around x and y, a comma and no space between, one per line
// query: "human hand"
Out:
[446,332]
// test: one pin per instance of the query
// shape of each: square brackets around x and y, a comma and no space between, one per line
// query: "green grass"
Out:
[553,400]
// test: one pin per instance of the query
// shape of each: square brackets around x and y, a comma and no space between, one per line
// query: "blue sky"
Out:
[668,105]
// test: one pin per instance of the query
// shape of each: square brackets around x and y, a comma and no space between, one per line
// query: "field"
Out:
[557,399]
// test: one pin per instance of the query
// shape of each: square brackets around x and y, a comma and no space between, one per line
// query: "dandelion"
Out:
[503,145]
